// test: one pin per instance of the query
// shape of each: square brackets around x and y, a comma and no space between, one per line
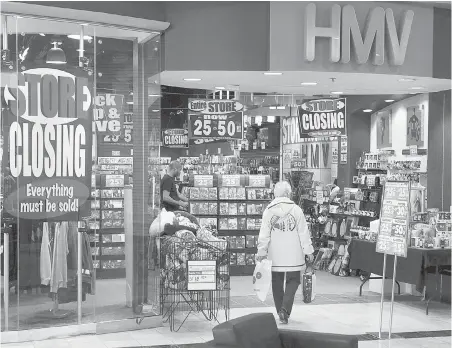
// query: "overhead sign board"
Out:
[215,119]
[177,138]
[322,118]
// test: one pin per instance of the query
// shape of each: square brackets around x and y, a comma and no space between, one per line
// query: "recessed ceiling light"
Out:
[367,110]
[281,107]
[309,83]
[42,34]
[220,88]
[77,37]
[269,73]
[337,92]
[272,108]
[192,79]
[155,110]
[406,80]
[389,100]
[417,87]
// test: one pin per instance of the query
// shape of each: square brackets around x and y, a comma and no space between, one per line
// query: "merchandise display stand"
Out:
[235,209]
[107,234]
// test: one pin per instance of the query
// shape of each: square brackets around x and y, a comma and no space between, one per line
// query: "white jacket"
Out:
[284,236]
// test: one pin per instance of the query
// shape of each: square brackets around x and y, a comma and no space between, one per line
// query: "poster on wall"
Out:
[47,127]
[344,149]
[415,126]
[322,118]
[108,116]
[384,129]
[215,119]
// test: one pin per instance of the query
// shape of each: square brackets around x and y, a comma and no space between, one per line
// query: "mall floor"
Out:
[337,309]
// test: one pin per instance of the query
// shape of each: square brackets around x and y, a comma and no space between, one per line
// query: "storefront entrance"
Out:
[80,121]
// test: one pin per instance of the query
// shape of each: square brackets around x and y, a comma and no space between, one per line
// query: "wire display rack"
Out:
[194,279]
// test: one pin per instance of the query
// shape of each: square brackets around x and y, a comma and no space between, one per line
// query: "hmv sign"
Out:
[382,37]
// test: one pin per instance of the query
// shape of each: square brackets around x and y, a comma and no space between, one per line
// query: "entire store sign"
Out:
[394,219]
[322,118]
[176,138]
[215,119]
[48,134]
[381,35]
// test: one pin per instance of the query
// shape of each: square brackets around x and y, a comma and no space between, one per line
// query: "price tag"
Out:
[297,164]
[257,181]
[399,230]
[401,211]
[230,180]
[387,209]
[114,181]
[201,275]
[413,150]
[223,126]
[203,181]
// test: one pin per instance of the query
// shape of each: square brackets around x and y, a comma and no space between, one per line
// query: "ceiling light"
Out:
[367,110]
[220,88]
[417,87]
[42,34]
[192,79]
[337,92]
[309,83]
[272,107]
[389,100]
[155,110]
[56,55]
[77,37]
[271,119]
[269,73]
[281,107]
[129,102]
[406,80]
[155,95]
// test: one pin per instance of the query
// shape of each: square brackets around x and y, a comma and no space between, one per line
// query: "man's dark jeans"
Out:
[285,299]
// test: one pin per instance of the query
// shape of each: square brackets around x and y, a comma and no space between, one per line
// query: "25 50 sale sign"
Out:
[215,119]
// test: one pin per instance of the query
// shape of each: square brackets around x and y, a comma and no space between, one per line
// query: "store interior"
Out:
[387,138]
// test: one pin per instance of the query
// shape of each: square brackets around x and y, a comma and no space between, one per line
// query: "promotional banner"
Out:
[215,119]
[47,127]
[394,219]
[322,118]
[109,117]
[175,138]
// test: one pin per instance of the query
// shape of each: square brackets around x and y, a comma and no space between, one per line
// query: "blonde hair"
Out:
[283,189]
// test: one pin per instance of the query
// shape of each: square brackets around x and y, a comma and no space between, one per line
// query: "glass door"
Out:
[80,121]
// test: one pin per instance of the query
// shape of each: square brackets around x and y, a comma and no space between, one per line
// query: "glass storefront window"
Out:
[80,123]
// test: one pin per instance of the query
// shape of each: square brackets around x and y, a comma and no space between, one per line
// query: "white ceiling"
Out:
[290,82]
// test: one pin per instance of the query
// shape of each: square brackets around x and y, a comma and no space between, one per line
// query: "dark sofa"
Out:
[260,331]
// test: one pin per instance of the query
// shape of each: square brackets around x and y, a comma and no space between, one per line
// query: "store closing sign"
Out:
[177,138]
[48,134]
[215,119]
[322,118]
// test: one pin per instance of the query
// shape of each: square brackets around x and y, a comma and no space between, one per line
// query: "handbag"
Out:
[308,284]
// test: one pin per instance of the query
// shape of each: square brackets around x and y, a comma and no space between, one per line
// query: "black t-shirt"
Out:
[167,184]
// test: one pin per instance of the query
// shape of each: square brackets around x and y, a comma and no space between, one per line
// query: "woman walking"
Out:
[284,238]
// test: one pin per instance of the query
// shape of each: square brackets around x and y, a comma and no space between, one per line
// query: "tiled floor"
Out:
[340,312]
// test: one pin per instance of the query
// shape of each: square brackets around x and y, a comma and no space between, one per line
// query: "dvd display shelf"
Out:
[232,204]
[106,226]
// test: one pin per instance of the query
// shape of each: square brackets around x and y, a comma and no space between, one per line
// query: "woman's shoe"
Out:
[283,316]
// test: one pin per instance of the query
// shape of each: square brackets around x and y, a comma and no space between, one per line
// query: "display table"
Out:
[412,270]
